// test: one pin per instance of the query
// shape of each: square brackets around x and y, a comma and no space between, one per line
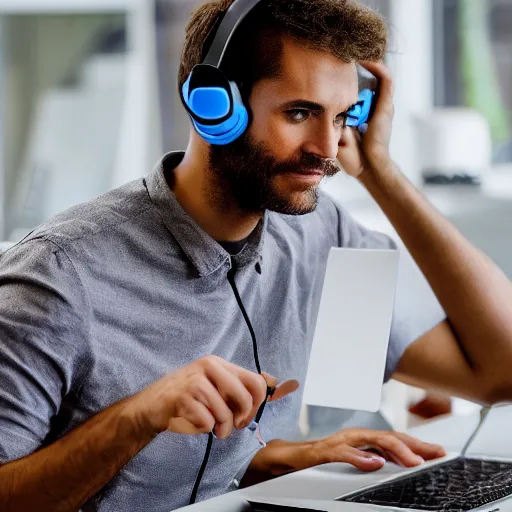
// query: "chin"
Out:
[295,203]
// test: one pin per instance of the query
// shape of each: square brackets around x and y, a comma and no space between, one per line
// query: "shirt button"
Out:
[258,268]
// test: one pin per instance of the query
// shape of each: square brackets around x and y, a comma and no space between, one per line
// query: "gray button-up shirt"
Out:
[112,295]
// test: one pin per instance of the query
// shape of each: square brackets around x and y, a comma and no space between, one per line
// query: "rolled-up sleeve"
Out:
[44,318]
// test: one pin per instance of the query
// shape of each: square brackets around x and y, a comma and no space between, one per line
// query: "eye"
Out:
[297,115]
[340,121]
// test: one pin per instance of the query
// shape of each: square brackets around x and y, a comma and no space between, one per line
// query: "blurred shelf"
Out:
[450,200]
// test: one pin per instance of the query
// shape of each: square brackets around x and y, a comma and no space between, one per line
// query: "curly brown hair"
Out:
[344,28]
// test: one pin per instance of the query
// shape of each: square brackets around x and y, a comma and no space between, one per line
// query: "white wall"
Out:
[140,141]
[412,64]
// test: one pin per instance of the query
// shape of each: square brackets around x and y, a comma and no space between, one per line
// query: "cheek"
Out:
[283,139]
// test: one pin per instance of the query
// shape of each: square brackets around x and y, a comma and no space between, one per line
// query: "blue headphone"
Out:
[361,112]
[215,104]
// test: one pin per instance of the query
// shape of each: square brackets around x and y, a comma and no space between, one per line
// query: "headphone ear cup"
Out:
[366,98]
[361,112]
[218,114]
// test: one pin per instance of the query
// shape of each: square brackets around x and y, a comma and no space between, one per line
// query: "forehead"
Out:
[316,76]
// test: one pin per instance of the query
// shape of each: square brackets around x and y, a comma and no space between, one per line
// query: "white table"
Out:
[333,480]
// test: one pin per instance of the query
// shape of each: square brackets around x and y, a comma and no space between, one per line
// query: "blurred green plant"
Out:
[478,67]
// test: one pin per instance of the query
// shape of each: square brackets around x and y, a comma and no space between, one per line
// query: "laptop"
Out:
[478,478]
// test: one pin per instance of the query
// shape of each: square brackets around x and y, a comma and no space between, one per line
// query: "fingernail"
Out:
[382,460]
[420,460]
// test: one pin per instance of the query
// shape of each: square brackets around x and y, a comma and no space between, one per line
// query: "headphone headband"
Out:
[238,10]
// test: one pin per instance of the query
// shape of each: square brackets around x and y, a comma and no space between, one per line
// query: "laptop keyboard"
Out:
[453,486]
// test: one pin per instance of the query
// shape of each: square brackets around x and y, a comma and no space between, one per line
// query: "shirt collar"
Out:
[200,248]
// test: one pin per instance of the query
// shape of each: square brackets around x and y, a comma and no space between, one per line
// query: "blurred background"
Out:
[89,102]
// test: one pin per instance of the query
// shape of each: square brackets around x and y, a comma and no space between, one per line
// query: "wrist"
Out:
[304,455]
[279,458]
[318,454]
[283,457]
[325,454]
[135,415]
[372,175]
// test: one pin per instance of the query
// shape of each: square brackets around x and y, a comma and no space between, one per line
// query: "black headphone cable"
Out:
[270,390]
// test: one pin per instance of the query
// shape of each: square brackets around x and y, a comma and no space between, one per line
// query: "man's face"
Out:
[293,140]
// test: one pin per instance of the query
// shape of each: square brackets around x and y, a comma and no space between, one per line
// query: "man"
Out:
[126,323]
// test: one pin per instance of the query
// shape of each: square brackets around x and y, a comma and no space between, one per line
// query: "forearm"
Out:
[473,291]
[64,475]
[280,458]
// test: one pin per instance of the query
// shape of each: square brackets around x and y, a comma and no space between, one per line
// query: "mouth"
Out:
[312,176]
[310,172]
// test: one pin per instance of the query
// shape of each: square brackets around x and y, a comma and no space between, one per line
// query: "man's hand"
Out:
[365,449]
[370,151]
[205,395]
[368,450]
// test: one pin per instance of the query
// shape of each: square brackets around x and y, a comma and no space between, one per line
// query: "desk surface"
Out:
[333,480]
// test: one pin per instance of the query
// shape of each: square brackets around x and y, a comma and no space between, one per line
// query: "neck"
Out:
[204,200]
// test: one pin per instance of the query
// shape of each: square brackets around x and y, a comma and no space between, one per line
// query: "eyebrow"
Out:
[310,105]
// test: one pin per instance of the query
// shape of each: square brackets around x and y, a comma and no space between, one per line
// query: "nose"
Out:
[323,140]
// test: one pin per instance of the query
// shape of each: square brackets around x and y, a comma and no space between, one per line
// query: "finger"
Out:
[257,385]
[361,460]
[376,67]
[348,138]
[254,383]
[260,391]
[349,153]
[398,451]
[193,417]
[270,380]
[427,451]
[284,388]
[231,389]
[379,70]
[280,391]
[208,395]
[386,85]
[377,450]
